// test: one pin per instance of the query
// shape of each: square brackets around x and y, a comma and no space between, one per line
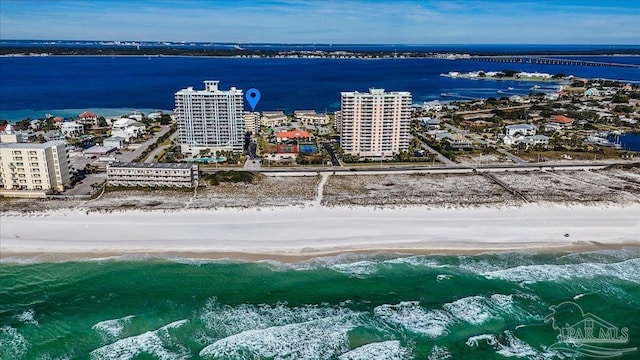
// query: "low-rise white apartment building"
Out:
[34,166]
[152,174]
[273,119]
[314,119]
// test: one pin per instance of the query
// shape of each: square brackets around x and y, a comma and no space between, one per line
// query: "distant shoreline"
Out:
[340,52]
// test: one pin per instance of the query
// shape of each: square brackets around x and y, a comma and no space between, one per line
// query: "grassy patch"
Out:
[230,176]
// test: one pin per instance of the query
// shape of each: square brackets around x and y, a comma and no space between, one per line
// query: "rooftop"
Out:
[561,119]
[294,134]
[31,145]
[151,165]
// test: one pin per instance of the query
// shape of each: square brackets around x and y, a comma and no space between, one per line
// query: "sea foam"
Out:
[27,317]
[505,344]
[153,343]
[527,274]
[110,329]
[13,345]
[385,350]
[224,320]
[412,317]
[316,339]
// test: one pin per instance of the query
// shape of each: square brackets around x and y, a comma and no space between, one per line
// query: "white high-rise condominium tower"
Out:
[210,118]
[375,124]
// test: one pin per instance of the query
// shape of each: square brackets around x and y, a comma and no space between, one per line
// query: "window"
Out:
[35,164]
[16,152]
[33,152]
[17,158]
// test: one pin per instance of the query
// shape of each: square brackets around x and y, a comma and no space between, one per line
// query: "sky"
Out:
[326,21]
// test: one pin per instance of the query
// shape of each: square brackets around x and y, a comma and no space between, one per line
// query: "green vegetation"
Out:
[230,176]
[153,146]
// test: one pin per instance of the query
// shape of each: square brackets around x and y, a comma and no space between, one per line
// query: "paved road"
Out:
[128,156]
[334,159]
[443,159]
[85,188]
[152,155]
[479,140]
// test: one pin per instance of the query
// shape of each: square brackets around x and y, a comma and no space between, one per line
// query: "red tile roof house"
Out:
[88,118]
[294,134]
[562,120]
[58,120]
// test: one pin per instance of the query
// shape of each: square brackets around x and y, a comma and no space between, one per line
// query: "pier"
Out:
[454,95]
[549,61]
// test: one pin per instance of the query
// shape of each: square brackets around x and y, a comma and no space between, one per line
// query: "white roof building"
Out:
[72,129]
[523,129]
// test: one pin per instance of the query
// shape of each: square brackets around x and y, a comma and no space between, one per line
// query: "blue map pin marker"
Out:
[253,96]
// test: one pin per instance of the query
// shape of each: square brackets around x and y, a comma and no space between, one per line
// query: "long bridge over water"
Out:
[528,59]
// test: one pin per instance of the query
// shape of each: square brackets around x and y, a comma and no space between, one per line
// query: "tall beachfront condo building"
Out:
[375,124]
[34,166]
[210,118]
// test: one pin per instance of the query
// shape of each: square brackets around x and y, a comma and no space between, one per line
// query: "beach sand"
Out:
[300,232]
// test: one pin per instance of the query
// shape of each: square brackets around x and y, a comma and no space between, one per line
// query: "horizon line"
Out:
[331,43]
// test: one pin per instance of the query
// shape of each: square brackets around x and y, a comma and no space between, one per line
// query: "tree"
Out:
[23,124]
[3,122]
[102,122]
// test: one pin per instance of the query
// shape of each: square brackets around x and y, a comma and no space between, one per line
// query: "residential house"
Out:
[53,135]
[128,129]
[430,123]
[434,105]
[562,120]
[88,118]
[523,129]
[72,129]
[113,142]
[591,92]
[459,142]
[553,127]
[526,141]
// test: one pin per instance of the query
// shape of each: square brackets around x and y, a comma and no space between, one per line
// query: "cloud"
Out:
[330,21]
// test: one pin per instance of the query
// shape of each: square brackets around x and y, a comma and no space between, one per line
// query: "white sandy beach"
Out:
[316,230]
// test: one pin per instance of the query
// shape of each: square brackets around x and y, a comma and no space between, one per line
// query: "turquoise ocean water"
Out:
[382,306]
